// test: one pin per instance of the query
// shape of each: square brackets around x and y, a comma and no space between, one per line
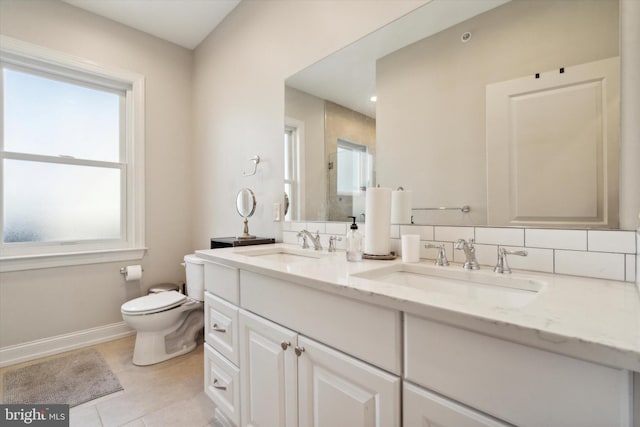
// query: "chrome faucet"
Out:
[315,240]
[502,266]
[441,259]
[471,263]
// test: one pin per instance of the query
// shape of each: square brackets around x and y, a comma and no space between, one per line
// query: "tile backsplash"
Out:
[604,254]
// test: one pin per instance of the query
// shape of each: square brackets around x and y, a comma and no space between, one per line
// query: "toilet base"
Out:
[158,346]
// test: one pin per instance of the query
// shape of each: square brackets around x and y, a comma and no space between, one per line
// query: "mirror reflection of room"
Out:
[429,123]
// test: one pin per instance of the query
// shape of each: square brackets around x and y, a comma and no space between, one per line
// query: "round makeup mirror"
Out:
[246,206]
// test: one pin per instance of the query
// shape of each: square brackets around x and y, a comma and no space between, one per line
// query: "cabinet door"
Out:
[424,408]
[268,369]
[336,390]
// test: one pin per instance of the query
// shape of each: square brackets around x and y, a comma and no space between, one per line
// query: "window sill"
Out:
[33,262]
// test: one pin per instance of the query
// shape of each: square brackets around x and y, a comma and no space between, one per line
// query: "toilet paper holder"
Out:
[123,270]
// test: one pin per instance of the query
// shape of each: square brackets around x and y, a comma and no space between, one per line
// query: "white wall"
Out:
[239,73]
[43,303]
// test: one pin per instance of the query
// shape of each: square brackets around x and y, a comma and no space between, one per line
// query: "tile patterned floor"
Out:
[165,394]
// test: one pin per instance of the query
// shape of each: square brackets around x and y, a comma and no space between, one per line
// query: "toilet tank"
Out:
[194,268]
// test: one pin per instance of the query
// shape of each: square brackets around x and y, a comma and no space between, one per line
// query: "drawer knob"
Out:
[285,345]
[218,386]
[299,351]
[217,328]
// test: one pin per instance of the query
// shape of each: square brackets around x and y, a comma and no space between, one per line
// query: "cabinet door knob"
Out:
[218,386]
[217,328]
[299,350]
[285,345]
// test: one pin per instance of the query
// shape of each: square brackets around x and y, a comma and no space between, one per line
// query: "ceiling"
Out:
[183,22]
[348,77]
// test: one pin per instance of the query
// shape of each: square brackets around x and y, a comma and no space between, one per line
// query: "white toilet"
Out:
[168,323]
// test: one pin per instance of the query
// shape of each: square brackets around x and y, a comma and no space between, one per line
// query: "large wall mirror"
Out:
[444,79]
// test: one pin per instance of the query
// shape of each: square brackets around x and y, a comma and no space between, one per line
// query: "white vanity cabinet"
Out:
[289,380]
[262,373]
[281,350]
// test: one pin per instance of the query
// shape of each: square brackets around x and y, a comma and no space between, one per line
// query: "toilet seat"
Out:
[153,303]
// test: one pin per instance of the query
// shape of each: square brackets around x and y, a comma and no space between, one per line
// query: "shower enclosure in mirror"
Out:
[427,132]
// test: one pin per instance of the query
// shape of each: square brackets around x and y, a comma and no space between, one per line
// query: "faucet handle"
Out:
[441,259]
[499,268]
[332,243]
[502,266]
[317,243]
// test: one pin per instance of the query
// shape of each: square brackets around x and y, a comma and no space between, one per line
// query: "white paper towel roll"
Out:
[377,221]
[401,207]
[132,272]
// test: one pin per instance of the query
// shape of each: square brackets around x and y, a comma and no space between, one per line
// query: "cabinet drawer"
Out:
[519,384]
[424,408]
[221,326]
[222,281]
[222,383]
[368,332]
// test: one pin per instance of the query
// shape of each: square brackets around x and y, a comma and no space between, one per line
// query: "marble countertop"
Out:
[591,319]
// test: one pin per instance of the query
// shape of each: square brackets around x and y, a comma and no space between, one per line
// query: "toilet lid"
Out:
[153,303]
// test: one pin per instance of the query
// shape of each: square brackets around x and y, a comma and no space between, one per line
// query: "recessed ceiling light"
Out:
[374,98]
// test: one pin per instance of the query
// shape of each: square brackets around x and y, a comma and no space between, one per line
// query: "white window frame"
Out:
[296,200]
[15,257]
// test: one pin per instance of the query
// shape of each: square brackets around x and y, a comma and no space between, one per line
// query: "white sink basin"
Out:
[284,255]
[482,286]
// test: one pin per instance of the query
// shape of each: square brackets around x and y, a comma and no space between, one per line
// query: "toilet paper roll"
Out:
[132,272]
[377,221]
[410,244]
[401,207]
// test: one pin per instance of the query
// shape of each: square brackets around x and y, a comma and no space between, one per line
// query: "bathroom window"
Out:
[354,169]
[293,165]
[72,151]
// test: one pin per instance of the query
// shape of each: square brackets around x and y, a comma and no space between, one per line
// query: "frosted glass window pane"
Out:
[47,202]
[354,170]
[288,155]
[347,170]
[50,117]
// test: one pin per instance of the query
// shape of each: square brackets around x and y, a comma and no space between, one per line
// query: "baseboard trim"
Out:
[24,352]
